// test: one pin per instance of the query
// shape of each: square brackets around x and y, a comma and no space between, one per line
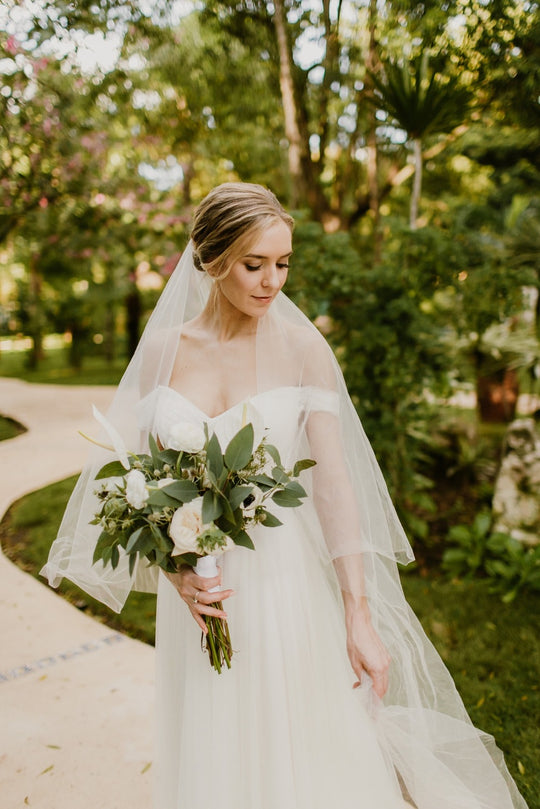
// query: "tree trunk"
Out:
[109,327]
[133,318]
[188,172]
[292,130]
[417,183]
[497,396]
[36,318]
[372,65]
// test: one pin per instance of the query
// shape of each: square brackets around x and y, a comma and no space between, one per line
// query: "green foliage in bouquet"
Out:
[234,486]
[191,500]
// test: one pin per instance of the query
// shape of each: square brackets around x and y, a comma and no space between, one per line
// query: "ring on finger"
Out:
[196,597]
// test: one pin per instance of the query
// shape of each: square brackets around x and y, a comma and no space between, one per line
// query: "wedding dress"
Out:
[284,728]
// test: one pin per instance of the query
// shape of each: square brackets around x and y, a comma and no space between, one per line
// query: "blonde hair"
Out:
[228,219]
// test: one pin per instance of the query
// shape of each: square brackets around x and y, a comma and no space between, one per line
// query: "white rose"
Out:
[186,437]
[229,545]
[258,496]
[186,526]
[136,489]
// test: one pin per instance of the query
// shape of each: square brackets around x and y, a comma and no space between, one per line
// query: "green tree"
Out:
[422,104]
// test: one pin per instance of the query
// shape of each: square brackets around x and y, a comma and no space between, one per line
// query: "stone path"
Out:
[76,698]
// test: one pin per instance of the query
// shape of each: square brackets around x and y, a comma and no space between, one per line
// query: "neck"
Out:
[224,319]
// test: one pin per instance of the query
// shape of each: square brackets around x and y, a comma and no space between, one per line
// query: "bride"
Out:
[335,696]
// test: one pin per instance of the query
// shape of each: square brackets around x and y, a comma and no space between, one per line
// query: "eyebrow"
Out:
[253,255]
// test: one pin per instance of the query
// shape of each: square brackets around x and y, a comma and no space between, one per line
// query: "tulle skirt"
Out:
[284,728]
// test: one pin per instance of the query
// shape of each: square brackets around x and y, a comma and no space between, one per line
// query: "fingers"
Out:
[202,603]
[200,621]
[378,673]
[380,684]
[211,598]
[199,582]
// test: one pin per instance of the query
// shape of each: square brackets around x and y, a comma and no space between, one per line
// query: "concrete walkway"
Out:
[76,698]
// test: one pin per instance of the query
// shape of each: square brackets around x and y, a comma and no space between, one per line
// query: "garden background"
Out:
[405,138]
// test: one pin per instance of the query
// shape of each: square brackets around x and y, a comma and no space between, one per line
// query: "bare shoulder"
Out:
[312,343]
[313,351]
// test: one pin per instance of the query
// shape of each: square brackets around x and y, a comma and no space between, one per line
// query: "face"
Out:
[256,277]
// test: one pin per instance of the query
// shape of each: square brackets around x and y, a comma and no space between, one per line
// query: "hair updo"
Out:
[228,219]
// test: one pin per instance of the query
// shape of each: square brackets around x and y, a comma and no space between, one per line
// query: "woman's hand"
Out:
[194,589]
[367,652]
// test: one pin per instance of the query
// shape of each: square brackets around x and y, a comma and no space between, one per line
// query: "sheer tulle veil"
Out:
[441,760]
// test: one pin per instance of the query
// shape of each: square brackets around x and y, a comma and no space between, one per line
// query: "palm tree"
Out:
[421,103]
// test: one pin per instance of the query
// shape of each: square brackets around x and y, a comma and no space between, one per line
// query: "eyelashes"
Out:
[253,268]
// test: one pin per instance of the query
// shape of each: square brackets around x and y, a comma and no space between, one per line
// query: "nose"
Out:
[271,277]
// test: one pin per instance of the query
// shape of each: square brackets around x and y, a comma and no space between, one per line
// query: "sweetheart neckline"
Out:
[233,407]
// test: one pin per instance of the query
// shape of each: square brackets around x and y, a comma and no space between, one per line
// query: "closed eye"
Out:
[253,268]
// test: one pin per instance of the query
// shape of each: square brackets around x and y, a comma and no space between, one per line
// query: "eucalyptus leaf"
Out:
[240,449]
[264,481]
[160,498]
[279,475]
[270,520]
[115,556]
[132,560]
[211,507]
[238,495]
[295,488]
[244,540]
[164,544]
[214,456]
[299,466]
[104,541]
[154,449]
[274,454]
[133,542]
[228,512]
[187,559]
[169,456]
[182,490]
[286,499]
[114,469]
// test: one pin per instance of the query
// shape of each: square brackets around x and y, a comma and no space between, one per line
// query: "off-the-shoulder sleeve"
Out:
[321,400]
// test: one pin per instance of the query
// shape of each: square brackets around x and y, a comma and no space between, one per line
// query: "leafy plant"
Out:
[516,568]
[510,565]
[467,558]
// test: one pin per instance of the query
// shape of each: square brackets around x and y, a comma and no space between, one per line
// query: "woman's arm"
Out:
[341,523]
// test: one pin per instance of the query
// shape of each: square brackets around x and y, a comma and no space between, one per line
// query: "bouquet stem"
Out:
[218,640]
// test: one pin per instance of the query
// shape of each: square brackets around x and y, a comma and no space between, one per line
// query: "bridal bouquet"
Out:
[190,501]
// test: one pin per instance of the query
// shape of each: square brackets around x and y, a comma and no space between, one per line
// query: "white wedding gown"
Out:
[283,728]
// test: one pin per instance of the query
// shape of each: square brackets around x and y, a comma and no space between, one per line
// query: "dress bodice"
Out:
[282,409]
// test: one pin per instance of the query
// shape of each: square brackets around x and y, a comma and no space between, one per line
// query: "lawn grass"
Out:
[493,653]
[491,649]
[9,428]
[26,533]
[55,368]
